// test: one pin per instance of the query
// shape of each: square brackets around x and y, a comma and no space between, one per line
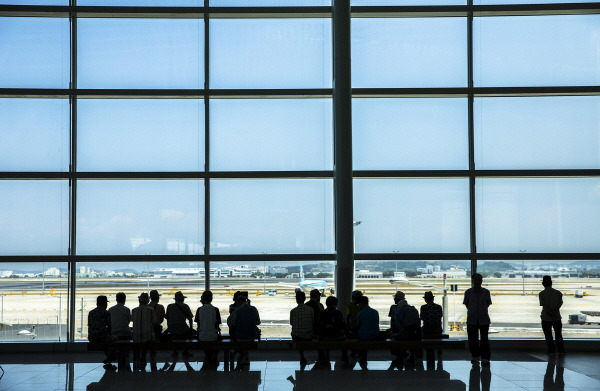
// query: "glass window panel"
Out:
[140,217]
[270,53]
[268,3]
[271,288]
[379,281]
[140,53]
[515,286]
[485,2]
[409,134]
[271,134]
[411,215]
[406,52]
[36,2]
[537,50]
[34,134]
[407,2]
[538,214]
[271,216]
[35,52]
[140,135]
[35,298]
[34,217]
[144,3]
[538,132]
[133,278]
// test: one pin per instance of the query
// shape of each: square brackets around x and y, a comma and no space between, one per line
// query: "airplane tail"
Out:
[301,272]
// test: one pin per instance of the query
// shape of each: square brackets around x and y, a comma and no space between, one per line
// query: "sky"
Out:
[296,215]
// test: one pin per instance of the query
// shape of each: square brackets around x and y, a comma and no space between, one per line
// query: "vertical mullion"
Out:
[342,130]
[73,173]
[206,147]
[471,101]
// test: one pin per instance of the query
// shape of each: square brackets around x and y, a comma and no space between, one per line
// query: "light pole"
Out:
[264,274]
[523,270]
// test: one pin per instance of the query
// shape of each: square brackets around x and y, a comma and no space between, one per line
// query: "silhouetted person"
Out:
[551,301]
[480,377]
[477,300]
[367,322]
[331,324]
[246,320]
[120,317]
[551,383]
[302,320]
[143,328]
[431,314]
[397,297]
[317,307]
[208,319]
[351,314]
[407,327]
[99,329]
[159,313]
[178,316]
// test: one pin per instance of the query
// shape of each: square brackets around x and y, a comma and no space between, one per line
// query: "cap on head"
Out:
[399,295]
[179,296]
[154,294]
[143,296]
[428,295]
[101,300]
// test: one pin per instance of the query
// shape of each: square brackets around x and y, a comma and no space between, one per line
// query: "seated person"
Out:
[208,319]
[331,324]
[178,316]
[246,320]
[99,329]
[302,320]
[367,322]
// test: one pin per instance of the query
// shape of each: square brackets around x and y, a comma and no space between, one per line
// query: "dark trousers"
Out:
[479,347]
[547,326]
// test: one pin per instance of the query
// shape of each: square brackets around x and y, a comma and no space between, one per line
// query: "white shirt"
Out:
[120,316]
[208,321]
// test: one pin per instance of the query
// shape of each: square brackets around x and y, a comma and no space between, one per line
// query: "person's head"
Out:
[154,295]
[207,297]
[399,295]
[315,294]
[179,296]
[102,301]
[241,300]
[121,297]
[331,302]
[363,301]
[144,298]
[428,297]
[547,281]
[300,297]
[477,279]
[355,295]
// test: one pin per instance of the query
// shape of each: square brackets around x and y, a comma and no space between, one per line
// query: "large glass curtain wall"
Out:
[192,146]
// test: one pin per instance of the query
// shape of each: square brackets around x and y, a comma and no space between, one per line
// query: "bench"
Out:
[351,344]
[228,347]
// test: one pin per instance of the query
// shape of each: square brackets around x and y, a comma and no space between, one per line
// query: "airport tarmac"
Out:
[513,313]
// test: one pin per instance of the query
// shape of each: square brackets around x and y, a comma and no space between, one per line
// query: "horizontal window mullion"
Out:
[479,256]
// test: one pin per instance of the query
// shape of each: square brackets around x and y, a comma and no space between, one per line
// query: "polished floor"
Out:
[279,372]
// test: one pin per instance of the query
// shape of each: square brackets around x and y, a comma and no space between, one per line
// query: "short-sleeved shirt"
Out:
[302,320]
[431,315]
[98,325]
[208,319]
[178,315]
[477,302]
[143,323]
[317,308]
[246,320]
[367,321]
[159,312]
[120,317]
[551,301]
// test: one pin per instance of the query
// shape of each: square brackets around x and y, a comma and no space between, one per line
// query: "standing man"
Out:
[367,322]
[477,300]
[99,329]
[302,320]
[551,301]
[178,316]
[120,317]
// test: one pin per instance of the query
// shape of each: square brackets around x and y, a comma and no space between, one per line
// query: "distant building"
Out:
[6,273]
[368,274]
[277,270]
[52,272]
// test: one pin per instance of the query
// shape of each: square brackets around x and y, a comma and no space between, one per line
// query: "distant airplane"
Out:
[399,278]
[30,332]
[309,285]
